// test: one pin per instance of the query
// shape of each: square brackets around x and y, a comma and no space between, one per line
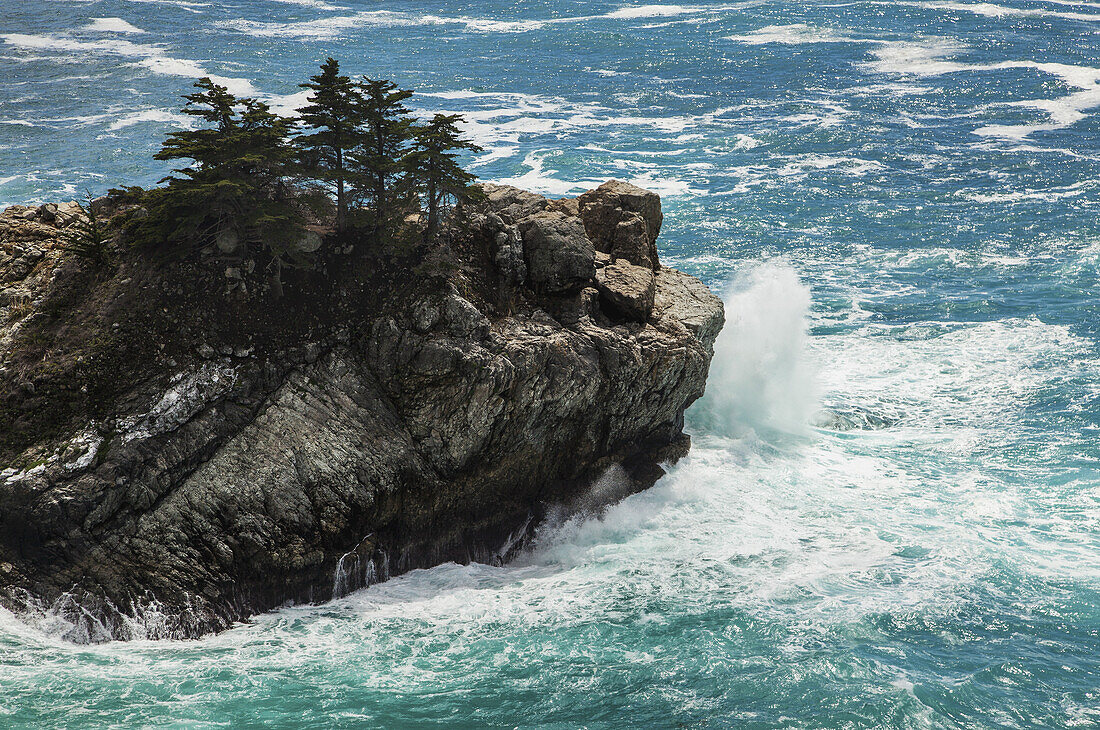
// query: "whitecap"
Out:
[539,179]
[650,11]
[933,57]
[149,115]
[992,10]
[153,57]
[111,25]
[794,35]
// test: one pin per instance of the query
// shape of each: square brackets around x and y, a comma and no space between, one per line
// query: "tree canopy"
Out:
[237,181]
[249,170]
[333,128]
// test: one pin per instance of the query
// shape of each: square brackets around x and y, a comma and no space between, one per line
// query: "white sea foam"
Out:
[288,104]
[111,25]
[795,34]
[335,26]
[992,10]
[317,4]
[153,57]
[759,376]
[1018,196]
[150,115]
[539,179]
[191,7]
[650,11]
[934,57]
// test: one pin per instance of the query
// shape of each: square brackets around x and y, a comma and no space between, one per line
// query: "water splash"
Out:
[357,569]
[760,377]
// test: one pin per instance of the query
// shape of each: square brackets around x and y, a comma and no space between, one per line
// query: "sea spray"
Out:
[760,377]
[357,569]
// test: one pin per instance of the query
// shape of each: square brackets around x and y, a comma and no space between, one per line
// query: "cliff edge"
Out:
[181,448]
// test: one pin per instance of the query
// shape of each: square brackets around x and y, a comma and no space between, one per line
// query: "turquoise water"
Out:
[891,516]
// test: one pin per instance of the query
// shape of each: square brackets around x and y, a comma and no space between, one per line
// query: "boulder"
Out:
[309,242]
[512,204]
[681,300]
[559,255]
[623,220]
[47,211]
[227,241]
[68,213]
[629,289]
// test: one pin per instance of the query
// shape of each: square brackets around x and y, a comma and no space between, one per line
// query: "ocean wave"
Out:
[153,57]
[1048,195]
[794,35]
[992,10]
[150,115]
[111,25]
[188,5]
[316,4]
[334,27]
[935,57]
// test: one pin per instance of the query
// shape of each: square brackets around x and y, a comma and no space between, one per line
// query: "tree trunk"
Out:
[341,201]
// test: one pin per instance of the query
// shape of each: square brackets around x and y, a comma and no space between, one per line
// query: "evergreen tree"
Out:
[237,180]
[387,129]
[87,236]
[433,168]
[334,114]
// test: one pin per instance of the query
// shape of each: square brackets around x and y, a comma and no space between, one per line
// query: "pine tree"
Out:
[387,129]
[433,168]
[334,114]
[237,180]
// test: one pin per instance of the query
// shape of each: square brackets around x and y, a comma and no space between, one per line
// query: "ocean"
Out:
[890,517]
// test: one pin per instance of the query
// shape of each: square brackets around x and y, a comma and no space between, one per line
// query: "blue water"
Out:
[899,201]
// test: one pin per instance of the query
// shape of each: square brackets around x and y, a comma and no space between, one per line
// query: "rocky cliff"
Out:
[181,448]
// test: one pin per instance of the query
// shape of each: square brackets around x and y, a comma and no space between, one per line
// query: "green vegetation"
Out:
[88,236]
[433,167]
[237,187]
[333,120]
[253,176]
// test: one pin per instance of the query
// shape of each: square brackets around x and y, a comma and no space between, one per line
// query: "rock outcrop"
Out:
[188,476]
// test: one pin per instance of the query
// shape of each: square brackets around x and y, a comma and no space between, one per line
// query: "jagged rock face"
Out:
[435,432]
[624,221]
[558,253]
[628,288]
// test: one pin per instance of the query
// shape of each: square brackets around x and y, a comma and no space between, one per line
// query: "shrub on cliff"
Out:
[88,236]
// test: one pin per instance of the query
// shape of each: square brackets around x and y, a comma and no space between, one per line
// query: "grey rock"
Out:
[508,255]
[227,241]
[309,242]
[624,221]
[559,255]
[428,432]
[627,288]
[512,204]
[47,212]
[681,300]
